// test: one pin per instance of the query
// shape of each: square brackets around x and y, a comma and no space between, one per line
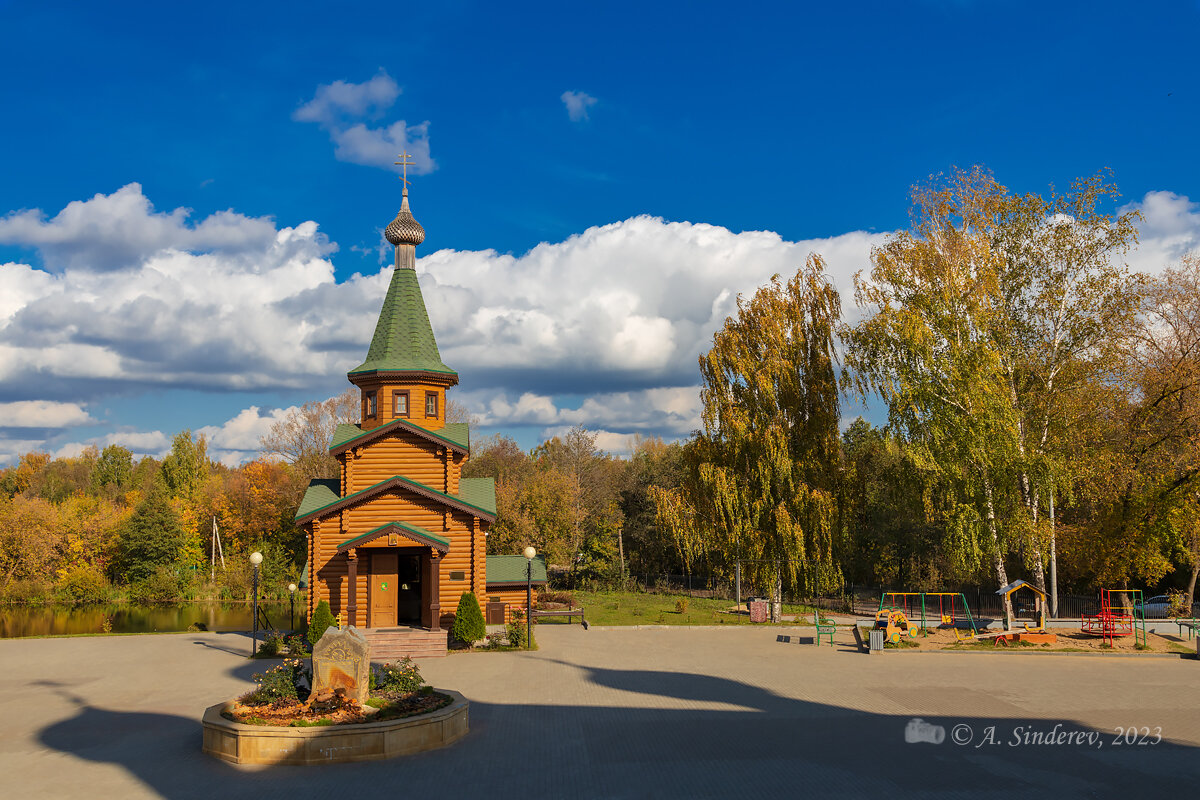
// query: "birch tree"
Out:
[763,475]
[927,346]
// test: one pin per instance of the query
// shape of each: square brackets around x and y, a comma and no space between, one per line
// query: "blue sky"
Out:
[193,197]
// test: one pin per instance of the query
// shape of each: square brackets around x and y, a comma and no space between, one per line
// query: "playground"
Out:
[1067,640]
[944,621]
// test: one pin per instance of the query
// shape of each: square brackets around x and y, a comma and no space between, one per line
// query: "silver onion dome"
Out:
[404,229]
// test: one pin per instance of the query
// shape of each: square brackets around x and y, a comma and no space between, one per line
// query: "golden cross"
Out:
[404,163]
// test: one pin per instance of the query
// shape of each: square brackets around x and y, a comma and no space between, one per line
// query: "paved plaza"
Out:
[628,713]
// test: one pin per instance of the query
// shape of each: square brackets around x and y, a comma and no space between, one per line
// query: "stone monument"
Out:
[341,660]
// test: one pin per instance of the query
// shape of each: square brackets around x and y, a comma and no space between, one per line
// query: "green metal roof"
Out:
[479,492]
[457,432]
[343,433]
[404,526]
[511,569]
[403,337]
[320,492]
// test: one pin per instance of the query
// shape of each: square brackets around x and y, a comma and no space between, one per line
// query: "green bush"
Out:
[469,626]
[32,590]
[566,598]
[83,584]
[681,605]
[517,633]
[162,586]
[273,644]
[277,685]
[402,677]
[322,618]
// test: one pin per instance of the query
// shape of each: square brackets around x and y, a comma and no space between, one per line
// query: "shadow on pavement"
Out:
[770,746]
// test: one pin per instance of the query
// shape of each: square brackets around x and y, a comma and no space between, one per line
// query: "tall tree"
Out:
[1066,303]
[763,474]
[152,538]
[302,437]
[928,345]
[112,474]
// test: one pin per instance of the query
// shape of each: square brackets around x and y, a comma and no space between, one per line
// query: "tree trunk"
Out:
[777,595]
[997,554]
[1191,590]
[1053,561]
[621,552]
[1031,502]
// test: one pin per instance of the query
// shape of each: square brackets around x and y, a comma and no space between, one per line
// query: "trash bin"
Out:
[875,643]
[758,610]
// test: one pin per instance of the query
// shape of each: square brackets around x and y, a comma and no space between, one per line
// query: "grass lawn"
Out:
[644,608]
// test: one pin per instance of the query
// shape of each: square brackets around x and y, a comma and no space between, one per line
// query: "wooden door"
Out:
[383,589]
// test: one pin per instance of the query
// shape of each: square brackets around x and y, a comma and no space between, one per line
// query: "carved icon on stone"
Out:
[341,660]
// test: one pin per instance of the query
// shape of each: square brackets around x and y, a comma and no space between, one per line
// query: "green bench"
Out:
[823,629]
[1190,624]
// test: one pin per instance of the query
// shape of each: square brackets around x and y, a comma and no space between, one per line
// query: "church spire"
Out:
[403,348]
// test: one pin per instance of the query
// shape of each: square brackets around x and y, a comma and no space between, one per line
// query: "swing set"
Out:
[947,610]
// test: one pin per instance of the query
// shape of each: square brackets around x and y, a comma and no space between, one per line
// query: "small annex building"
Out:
[400,535]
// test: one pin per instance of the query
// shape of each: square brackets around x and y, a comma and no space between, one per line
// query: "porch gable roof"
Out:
[416,534]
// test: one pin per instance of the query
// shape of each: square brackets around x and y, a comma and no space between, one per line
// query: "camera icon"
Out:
[918,730]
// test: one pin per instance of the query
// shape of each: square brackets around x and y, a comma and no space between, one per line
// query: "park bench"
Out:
[563,612]
[1190,624]
[823,629]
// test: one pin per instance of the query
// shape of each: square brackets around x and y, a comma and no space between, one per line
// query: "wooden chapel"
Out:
[400,535]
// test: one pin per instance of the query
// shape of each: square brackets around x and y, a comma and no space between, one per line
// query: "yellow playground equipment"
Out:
[894,623]
[952,611]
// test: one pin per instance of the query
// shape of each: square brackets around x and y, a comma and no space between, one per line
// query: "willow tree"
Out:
[763,473]
[928,347]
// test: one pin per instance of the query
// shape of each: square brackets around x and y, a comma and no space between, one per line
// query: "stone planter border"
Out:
[333,744]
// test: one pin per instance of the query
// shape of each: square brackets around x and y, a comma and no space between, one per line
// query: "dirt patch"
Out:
[1069,640]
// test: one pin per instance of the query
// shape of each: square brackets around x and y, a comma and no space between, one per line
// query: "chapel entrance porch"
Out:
[401,588]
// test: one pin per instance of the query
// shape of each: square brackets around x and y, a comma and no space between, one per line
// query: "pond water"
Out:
[18,621]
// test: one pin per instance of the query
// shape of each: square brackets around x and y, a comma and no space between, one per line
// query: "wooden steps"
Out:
[391,644]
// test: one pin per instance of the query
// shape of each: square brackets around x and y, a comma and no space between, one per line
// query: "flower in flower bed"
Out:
[398,679]
[277,686]
[297,645]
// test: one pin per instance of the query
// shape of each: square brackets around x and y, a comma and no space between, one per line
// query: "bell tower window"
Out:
[431,405]
[370,409]
[399,404]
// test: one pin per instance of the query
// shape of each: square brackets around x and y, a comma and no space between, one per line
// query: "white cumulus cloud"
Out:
[42,414]
[340,108]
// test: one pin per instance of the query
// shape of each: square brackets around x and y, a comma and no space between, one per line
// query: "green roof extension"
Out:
[511,569]
[320,492]
[403,339]
[479,492]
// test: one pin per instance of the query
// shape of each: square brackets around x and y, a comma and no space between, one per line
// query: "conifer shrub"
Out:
[469,626]
[322,618]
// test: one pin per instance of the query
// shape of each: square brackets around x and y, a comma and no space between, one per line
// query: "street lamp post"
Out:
[529,554]
[255,559]
[292,606]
